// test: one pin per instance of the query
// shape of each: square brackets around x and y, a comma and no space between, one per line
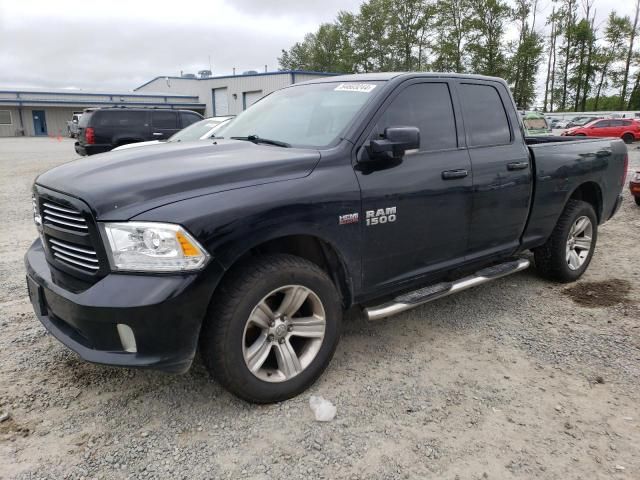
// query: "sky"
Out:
[118,45]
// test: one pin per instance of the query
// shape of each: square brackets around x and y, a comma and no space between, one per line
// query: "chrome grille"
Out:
[81,257]
[63,217]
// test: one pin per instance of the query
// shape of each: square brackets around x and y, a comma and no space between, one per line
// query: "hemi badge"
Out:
[348,218]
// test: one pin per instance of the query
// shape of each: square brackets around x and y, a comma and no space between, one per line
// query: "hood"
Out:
[119,185]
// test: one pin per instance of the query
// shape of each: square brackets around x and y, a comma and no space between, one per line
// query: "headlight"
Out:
[152,247]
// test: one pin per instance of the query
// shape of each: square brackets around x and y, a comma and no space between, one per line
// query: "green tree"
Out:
[525,61]
[486,26]
[568,15]
[584,38]
[549,86]
[410,20]
[608,55]
[451,31]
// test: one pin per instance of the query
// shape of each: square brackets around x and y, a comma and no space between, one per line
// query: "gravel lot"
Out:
[515,379]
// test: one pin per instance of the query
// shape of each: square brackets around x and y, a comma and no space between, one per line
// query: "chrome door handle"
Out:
[517,165]
[157,134]
[453,174]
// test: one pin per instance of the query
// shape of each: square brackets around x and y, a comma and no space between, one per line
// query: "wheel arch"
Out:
[310,247]
[591,193]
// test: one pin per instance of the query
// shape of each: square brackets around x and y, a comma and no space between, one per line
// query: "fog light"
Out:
[127,338]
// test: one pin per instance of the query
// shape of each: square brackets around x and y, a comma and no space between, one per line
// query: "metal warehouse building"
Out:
[229,94]
[33,112]
[46,112]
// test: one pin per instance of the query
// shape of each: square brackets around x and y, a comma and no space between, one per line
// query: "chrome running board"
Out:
[413,299]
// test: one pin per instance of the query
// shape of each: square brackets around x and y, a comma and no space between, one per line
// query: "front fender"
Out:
[230,223]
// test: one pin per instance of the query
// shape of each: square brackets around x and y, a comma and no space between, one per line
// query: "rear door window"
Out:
[162,119]
[117,118]
[485,118]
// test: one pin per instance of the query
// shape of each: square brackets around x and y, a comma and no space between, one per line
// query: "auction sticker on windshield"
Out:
[355,87]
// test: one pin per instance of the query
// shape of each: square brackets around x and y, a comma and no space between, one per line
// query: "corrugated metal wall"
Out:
[236,87]
[56,120]
[10,130]
[59,106]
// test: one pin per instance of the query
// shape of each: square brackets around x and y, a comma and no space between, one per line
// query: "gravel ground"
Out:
[516,379]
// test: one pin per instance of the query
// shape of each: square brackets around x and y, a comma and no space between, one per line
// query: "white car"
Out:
[201,130]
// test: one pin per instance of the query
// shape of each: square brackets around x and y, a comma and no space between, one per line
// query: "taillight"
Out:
[626,166]
[90,136]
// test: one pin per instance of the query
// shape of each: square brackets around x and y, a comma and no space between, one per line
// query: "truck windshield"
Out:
[312,115]
[194,131]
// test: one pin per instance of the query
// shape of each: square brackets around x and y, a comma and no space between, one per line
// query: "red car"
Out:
[626,129]
[634,186]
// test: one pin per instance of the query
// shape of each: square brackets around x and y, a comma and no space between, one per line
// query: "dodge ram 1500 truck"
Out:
[384,191]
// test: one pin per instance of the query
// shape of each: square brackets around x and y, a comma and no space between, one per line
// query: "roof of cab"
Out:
[386,76]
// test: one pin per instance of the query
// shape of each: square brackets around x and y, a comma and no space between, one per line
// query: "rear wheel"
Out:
[567,253]
[637,199]
[628,138]
[272,328]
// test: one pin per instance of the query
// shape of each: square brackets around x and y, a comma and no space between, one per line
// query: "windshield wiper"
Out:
[256,139]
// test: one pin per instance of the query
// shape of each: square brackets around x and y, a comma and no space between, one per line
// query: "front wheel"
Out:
[628,138]
[567,253]
[272,328]
[637,199]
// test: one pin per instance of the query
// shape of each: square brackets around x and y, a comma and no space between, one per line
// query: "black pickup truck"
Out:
[384,191]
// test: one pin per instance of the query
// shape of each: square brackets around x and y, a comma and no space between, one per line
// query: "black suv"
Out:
[103,129]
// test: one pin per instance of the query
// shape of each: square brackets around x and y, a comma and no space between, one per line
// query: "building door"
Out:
[39,122]
[249,98]
[220,102]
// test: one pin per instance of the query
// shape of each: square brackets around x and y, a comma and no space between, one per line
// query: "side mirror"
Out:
[395,142]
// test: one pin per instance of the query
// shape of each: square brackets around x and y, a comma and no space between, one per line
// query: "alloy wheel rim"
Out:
[284,333]
[579,242]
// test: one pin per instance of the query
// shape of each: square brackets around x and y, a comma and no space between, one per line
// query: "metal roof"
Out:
[241,75]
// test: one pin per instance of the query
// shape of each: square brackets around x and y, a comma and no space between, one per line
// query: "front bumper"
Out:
[165,313]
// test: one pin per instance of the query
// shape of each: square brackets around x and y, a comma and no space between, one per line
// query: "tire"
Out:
[235,325]
[637,199]
[553,258]
[628,138]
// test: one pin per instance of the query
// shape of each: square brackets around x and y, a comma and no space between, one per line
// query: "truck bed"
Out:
[560,166]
